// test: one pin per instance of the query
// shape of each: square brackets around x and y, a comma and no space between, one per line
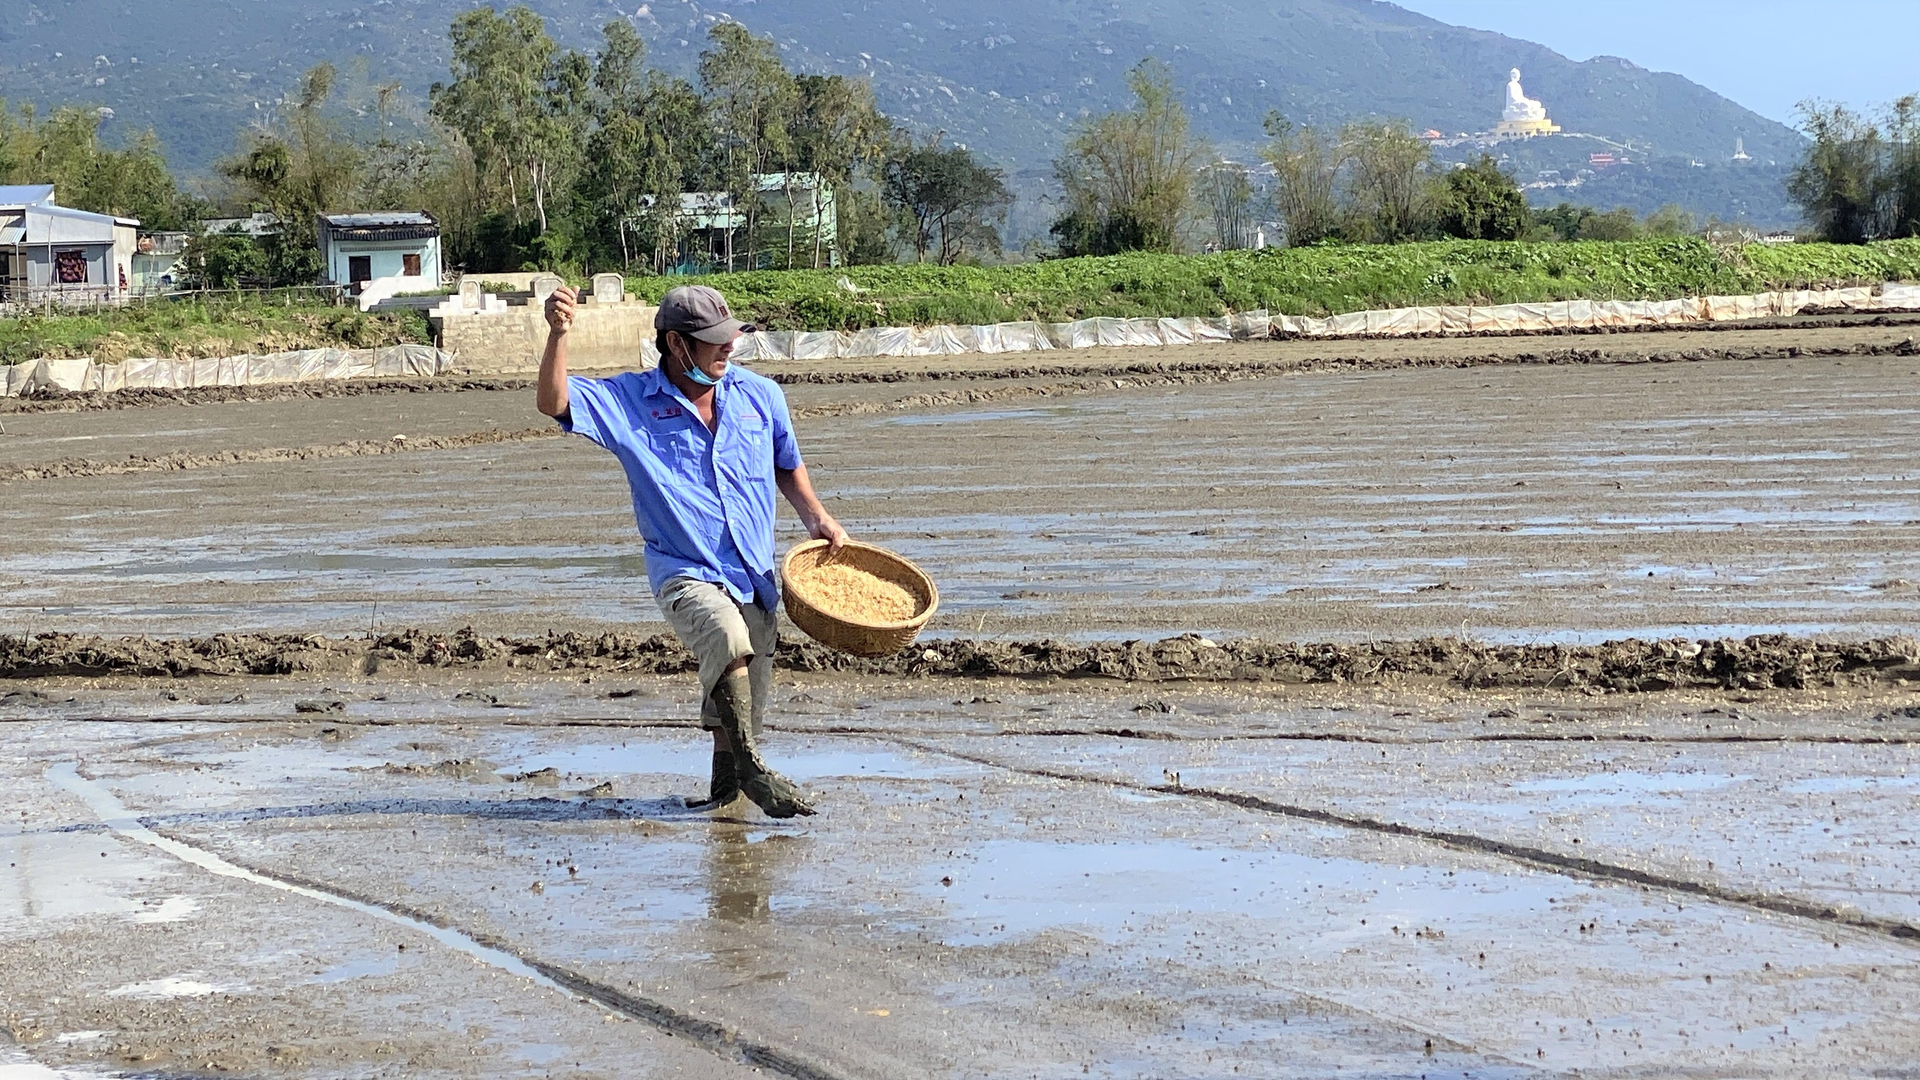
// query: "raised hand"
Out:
[560,307]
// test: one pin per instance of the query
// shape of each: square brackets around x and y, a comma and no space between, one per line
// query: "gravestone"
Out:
[543,287]
[470,296]
[609,289]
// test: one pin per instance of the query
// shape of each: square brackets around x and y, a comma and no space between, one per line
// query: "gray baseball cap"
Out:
[699,312]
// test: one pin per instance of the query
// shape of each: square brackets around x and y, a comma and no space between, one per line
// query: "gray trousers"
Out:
[719,630]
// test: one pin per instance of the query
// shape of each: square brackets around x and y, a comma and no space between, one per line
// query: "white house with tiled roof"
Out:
[359,248]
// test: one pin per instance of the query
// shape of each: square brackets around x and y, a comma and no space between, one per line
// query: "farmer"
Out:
[704,445]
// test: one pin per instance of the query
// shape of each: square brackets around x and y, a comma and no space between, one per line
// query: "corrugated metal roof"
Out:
[25,194]
[68,212]
[47,224]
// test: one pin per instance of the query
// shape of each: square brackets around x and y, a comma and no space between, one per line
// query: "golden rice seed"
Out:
[852,594]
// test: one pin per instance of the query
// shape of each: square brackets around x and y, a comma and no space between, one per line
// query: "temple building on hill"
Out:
[1524,117]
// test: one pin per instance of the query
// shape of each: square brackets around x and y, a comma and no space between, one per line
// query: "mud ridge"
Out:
[1221,368]
[1761,662]
[1438,740]
[64,468]
[54,400]
[1553,861]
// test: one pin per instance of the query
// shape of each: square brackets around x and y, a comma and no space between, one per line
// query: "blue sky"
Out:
[1765,54]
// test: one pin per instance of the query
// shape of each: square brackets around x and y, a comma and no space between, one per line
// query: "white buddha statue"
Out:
[1524,117]
[1520,107]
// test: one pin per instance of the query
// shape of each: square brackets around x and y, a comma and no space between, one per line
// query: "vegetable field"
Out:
[1305,281]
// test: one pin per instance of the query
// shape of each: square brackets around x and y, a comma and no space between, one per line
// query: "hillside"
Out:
[1005,77]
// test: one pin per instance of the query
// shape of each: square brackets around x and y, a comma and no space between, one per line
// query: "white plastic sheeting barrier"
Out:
[1899,297]
[1588,314]
[888,341]
[422,360]
[1392,322]
[308,365]
[1012,337]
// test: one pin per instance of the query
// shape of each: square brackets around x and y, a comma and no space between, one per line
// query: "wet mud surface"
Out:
[327,754]
[1509,504]
[999,884]
[363,414]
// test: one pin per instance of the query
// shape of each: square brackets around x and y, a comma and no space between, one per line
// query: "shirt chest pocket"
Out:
[677,448]
[751,449]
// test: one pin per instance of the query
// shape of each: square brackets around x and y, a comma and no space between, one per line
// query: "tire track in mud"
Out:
[1525,854]
[1442,740]
[637,723]
[710,1035]
[724,1042]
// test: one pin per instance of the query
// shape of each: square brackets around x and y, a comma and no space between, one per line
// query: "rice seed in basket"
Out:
[847,592]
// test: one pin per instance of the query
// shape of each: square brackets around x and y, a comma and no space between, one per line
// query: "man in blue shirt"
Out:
[704,445]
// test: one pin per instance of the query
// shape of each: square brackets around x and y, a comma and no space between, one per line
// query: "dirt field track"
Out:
[355,839]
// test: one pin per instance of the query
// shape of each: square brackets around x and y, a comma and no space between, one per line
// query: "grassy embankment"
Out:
[203,327]
[1311,281]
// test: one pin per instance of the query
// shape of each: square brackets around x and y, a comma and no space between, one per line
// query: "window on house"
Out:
[359,269]
[70,267]
[410,265]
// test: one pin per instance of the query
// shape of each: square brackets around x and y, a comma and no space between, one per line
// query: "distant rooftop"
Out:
[371,221]
[363,228]
[25,194]
[257,225]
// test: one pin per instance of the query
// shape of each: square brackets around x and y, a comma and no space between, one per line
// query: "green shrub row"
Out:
[1304,281]
[203,326]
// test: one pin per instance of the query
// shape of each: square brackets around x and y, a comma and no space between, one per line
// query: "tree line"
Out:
[1135,181]
[532,155]
[539,156]
[64,149]
[1139,180]
[1860,180]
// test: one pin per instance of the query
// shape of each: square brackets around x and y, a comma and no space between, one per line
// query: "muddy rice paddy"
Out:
[1493,708]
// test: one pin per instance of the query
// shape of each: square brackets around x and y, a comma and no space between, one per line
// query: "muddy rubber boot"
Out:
[723,788]
[772,793]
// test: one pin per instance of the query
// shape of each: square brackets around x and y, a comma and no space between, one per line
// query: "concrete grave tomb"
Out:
[609,289]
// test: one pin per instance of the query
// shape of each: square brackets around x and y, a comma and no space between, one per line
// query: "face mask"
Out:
[698,377]
[701,377]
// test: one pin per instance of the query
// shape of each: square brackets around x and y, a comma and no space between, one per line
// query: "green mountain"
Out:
[1007,77]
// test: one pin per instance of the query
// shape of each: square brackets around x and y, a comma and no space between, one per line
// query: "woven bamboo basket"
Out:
[858,638]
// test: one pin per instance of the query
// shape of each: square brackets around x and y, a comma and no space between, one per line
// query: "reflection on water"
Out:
[745,869]
[742,872]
